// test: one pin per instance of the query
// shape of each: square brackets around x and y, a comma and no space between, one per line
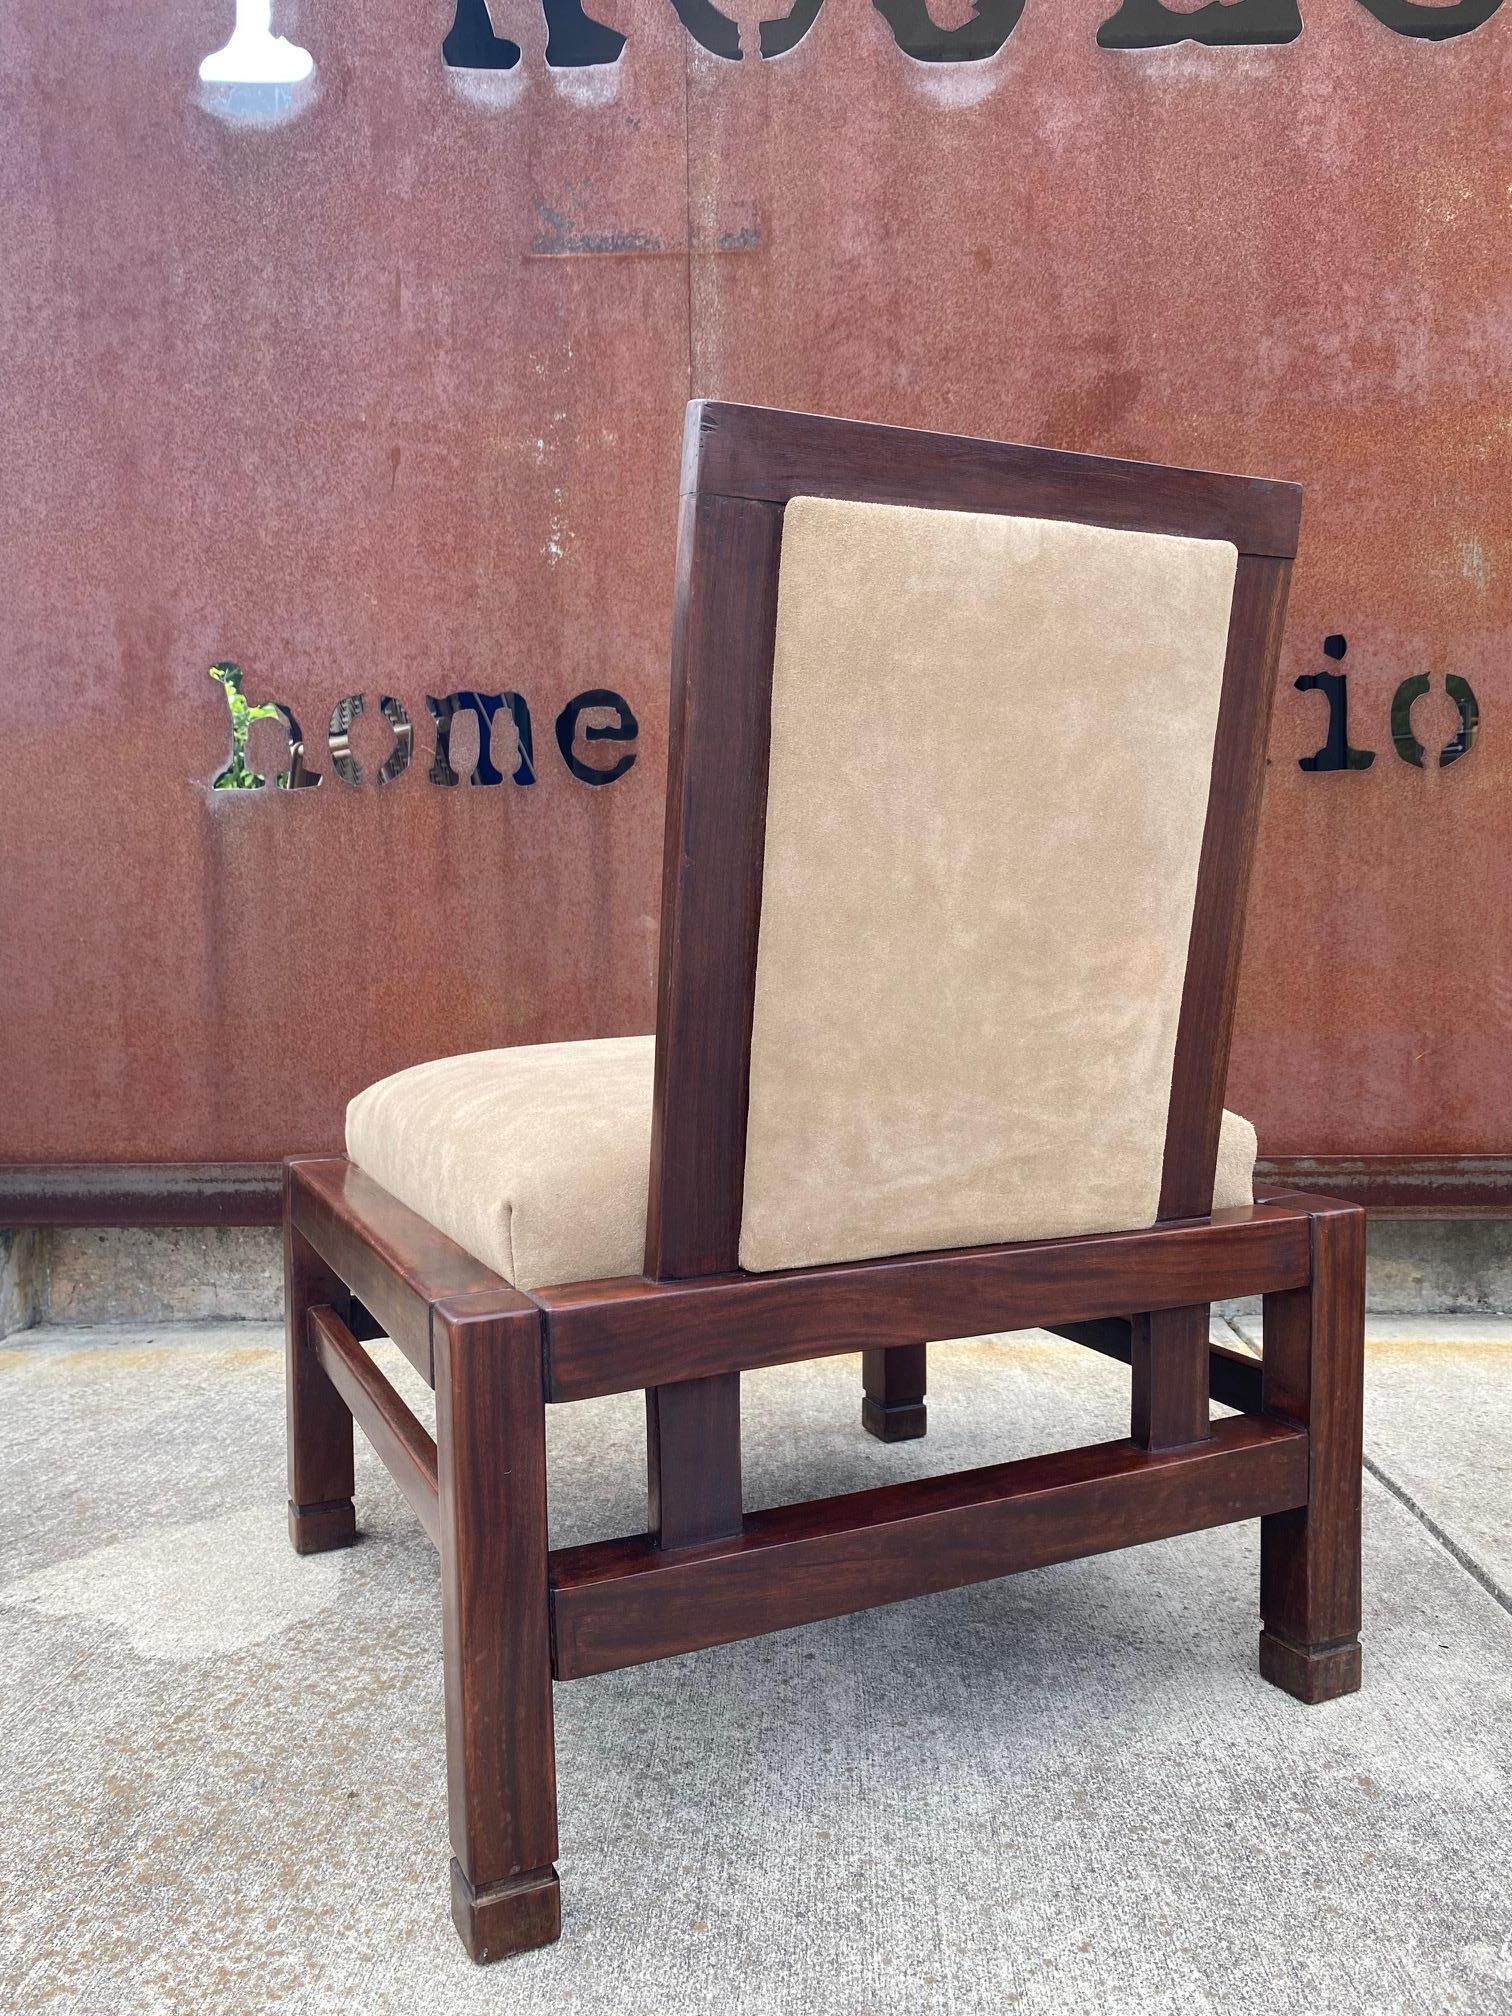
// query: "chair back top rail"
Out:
[765,455]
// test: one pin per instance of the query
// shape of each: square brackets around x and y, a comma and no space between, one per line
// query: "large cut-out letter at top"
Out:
[1431,24]
[574,40]
[717,32]
[1150,24]
[472,44]
[254,54]
[917,35]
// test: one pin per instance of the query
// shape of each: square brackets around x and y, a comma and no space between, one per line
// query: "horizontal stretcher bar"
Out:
[621,1602]
[408,1453]
[1234,1379]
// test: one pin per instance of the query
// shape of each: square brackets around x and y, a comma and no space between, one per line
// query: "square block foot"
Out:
[1322,1674]
[905,1423]
[316,1529]
[506,1918]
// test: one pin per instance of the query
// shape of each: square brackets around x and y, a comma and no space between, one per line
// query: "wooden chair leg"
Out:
[500,1756]
[693,1460]
[1313,1374]
[321,1513]
[892,1397]
[1170,1385]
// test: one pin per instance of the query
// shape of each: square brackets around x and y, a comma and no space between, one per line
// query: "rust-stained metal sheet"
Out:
[302,398]
[386,398]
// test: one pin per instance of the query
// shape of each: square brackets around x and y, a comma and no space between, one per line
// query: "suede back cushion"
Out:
[992,741]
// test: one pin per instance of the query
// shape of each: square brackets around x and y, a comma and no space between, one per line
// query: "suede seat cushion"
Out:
[991,753]
[537,1160]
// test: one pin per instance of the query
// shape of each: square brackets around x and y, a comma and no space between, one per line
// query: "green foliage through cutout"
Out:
[238,775]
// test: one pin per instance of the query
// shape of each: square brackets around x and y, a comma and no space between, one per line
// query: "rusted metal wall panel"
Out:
[387,399]
[1289,260]
[313,398]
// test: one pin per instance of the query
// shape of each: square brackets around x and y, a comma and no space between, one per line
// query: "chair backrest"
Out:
[966,750]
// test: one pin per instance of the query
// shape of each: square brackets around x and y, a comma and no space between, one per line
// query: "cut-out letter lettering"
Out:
[1432,24]
[1150,24]
[574,40]
[299,776]
[483,706]
[788,30]
[1462,693]
[398,759]
[1336,754]
[471,43]
[1403,701]
[338,737]
[709,28]
[917,35]
[624,728]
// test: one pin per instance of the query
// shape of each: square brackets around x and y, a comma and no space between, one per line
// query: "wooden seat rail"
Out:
[616,1336]
[1234,1379]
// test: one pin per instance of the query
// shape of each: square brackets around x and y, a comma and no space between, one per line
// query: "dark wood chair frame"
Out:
[518,1616]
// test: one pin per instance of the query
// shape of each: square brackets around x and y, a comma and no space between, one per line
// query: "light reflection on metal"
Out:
[1403,700]
[343,762]
[397,761]
[443,710]
[299,776]
[1406,697]
[1462,693]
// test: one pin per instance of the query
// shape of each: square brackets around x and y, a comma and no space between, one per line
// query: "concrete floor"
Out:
[1064,1792]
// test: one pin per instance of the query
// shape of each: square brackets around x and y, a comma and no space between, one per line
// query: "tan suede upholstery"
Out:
[537,1160]
[991,750]
[1234,1177]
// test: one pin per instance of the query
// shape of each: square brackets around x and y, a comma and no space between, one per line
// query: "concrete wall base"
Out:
[1417,1267]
